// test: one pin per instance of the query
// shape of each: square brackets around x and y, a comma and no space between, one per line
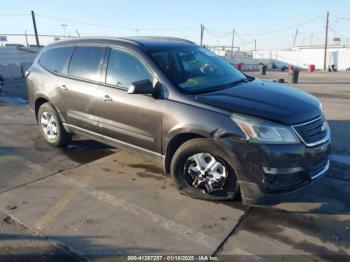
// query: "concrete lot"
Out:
[89,200]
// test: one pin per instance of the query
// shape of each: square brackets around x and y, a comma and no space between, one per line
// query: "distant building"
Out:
[302,56]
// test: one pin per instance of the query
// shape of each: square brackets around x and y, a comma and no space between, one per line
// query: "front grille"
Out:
[313,131]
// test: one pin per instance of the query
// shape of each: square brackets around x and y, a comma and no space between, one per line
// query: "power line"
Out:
[112,26]
[14,14]
[242,40]
[213,33]
[343,18]
[219,32]
[285,29]
[44,35]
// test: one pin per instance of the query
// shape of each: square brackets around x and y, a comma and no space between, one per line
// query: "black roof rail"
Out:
[134,40]
[161,38]
[97,38]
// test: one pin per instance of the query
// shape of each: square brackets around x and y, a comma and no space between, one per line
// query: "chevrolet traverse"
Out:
[218,132]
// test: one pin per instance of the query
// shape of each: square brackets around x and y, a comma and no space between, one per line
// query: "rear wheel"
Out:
[201,169]
[51,126]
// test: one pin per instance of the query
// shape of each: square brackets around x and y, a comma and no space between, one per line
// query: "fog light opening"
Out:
[282,171]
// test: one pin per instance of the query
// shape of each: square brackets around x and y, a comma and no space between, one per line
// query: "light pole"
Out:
[64,26]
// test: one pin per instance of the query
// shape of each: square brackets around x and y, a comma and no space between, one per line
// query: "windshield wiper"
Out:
[243,80]
[220,87]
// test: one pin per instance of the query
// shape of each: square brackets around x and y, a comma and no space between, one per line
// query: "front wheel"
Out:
[201,169]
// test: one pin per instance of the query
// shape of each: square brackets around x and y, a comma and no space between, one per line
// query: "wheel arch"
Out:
[175,142]
[42,99]
[39,101]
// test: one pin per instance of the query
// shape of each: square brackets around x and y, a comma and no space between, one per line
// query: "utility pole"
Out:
[26,38]
[295,37]
[64,26]
[202,33]
[35,29]
[233,40]
[326,43]
[311,38]
[254,44]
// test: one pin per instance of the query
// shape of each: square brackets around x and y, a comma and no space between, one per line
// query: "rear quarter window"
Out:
[55,59]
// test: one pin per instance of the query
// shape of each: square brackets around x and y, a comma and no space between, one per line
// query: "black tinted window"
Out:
[85,62]
[124,69]
[54,59]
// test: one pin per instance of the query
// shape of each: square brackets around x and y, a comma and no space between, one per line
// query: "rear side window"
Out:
[85,62]
[55,59]
[124,69]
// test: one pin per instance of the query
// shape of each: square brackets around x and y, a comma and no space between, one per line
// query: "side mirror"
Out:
[142,87]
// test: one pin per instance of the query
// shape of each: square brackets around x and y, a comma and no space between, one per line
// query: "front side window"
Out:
[195,70]
[123,69]
[54,59]
[85,62]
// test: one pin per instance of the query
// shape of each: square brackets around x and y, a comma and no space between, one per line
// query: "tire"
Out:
[60,136]
[183,180]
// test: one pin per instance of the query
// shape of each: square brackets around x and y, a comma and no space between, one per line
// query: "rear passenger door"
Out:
[79,89]
[134,119]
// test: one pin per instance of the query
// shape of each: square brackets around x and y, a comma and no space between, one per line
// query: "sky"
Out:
[272,23]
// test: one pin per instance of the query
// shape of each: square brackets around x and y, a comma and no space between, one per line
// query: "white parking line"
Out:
[178,229]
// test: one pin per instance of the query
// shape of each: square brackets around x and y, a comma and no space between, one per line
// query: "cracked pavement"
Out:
[89,201]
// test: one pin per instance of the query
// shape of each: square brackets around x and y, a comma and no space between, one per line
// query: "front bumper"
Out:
[268,174]
[252,195]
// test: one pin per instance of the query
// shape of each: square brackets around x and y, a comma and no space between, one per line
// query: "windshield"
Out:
[196,70]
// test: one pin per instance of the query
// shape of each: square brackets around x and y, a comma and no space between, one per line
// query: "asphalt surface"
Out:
[90,201]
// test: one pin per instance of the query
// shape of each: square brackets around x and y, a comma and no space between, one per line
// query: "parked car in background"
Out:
[218,132]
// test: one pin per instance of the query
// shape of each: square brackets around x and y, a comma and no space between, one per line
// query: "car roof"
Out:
[144,42]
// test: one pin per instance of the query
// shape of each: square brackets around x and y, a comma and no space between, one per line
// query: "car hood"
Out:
[265,99]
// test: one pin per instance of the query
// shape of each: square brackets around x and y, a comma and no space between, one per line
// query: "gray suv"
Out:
[217,131]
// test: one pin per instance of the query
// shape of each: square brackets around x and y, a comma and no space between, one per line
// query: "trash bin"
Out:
[293,75]
[263,69]
[310,68]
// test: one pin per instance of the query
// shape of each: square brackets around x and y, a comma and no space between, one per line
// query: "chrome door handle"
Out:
[107,99]
[64,87]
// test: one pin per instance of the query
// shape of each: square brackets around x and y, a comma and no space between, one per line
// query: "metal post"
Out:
[233,40]
[311,38]
[35,30]
[202,32]
[26,38]
[295,38]
[254,44]
[326,43]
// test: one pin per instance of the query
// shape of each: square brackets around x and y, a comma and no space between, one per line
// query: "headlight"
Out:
[263,131]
